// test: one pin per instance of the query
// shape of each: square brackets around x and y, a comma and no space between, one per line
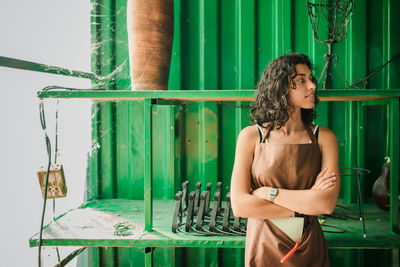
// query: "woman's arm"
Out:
[244,204]
[322,197]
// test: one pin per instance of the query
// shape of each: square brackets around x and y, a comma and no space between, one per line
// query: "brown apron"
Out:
[289,166]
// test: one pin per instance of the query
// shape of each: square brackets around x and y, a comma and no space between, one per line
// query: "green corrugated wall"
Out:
[226,44]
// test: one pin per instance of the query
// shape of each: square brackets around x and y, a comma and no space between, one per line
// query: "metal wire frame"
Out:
[357,172]
[337,14]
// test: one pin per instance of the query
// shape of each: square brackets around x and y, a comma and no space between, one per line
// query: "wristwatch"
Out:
[272,194]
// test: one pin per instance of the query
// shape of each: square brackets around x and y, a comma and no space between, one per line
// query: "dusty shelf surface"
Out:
[96,223]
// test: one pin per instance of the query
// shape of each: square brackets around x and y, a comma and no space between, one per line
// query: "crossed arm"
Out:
[320,199]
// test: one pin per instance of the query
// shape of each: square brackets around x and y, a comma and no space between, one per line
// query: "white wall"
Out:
[57,33]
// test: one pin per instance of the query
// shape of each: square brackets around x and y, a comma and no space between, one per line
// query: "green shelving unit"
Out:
[220,50]
[151,218]
[363,97]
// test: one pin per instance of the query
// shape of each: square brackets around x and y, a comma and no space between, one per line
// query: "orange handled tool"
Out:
[291,252]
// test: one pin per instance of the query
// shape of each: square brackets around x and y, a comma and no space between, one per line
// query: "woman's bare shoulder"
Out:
[249,135]
[326,136]
[249,131]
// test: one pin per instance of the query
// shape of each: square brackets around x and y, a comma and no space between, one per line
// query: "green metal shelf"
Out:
[92,224]
[364,96]
[213,95]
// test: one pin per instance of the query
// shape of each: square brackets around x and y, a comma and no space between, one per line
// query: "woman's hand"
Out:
[324,180]
[262,192]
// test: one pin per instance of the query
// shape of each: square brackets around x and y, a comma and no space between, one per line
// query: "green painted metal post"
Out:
[245,56]
[208,79]
[395,258]
[92,179]
[129,170]
[124,168]
[354,148]
[360,132]
[355,48]
[105,56]
[351,152]
[245,66]
[164,160]
[207,112]
[394,164]
[148,257]
[172,175]
[245,44]
[148,196]
[387,135]
[106,138]
[390,33]
[387,36]
[360,136]
[316,53]
[281,22]
[174,81]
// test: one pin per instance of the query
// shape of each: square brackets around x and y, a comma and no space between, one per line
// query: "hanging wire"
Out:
[55,162]
[365,79]
[48,148]
[56,151]
[57,87]
[56,135]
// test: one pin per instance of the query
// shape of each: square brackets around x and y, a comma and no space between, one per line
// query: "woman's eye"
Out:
[301,80]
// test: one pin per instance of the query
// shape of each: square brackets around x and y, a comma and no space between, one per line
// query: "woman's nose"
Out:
[311,85]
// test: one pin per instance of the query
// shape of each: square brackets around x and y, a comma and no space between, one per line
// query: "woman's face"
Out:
[303,94]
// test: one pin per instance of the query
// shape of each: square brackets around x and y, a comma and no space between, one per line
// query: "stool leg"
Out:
[360,207]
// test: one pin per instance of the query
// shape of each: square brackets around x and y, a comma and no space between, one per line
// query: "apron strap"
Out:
[311,135]
[264,132]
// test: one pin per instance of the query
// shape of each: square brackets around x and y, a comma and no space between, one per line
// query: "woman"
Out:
[286,170]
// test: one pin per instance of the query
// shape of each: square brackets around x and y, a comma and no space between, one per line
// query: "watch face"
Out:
[273,191]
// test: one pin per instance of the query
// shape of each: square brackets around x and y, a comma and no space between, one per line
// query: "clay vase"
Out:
[150,25]
[381,189]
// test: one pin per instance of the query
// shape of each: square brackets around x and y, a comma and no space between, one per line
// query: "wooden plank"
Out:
[228,99]
[213,95]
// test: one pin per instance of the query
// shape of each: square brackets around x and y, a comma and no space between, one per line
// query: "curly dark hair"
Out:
[272,107]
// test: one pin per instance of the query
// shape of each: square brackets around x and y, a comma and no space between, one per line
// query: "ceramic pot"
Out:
[381,189]
[150,25]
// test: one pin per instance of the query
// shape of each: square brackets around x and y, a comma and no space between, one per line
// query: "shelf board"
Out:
[213,95]
[92,224]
